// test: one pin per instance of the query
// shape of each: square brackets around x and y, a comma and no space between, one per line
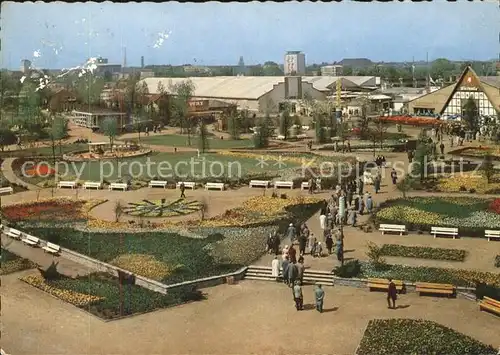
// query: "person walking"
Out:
[441,147]
[369,204]
[284,269]
[376,184]
[302,244]
[312,243]
[319,296]
[276,244]
[292,253]
[392,294]
[329,243]
[292,273]
[356,203]
[322,220]
[394,176]
[361,206]
[291,233]
[300,270]
[182,188]
[353,217]
[297,296]
[339,248]
[275,266]
[361,184]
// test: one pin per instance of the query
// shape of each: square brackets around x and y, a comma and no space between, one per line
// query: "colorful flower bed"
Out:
[414,121]
[162,208]
[495,206]
[457,277]
[417,336]
[100,294]
[477,152]
[144,265]
[470,215]
[423,252]
[467,181]
[50,209]
[13,263]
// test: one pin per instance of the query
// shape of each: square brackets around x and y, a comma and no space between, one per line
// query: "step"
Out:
[308,282]
[306,278]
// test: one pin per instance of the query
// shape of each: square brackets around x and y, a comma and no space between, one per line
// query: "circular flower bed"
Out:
[162,208]
[495,206]
[470,215]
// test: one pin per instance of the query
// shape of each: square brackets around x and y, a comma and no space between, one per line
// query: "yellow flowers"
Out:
[409,215]
[144,265]
[75,298]
[476,181]
[271,157]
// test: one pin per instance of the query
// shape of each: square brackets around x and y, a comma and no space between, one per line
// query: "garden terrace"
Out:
[423,252]
[417,336]
[457,277]
[14,263]
[470,182]
[470,215]
[99,294]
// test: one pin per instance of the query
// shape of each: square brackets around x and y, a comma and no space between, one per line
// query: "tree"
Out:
[110,129]
[285,122]
[442,68]
[347,71]
[271,69]
[404,185]
[319,126]
[471,116]
[89,89]
[263,132]
[7,137]
[297,123]
[182,93]
[57,131]
[487,167]
[422,153]
[233,125]
[203,137]
[246,120]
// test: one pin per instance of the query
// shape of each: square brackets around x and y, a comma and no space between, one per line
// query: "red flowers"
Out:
[40,170]
[46,210]
[417,121]
[495,206]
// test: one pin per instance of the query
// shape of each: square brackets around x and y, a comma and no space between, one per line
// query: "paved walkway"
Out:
[10,176]
[251,317]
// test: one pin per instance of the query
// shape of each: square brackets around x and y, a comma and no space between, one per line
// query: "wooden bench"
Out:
[158,183]
[30,240]
[444,231]
[398,228]
[92,185]
[432,288]
[491,305]
[285,184]
[70,184]
[14,233]
[6,190]
[261,183]
[304,185]
[52,248]
[187,184]
[383,284]
[118,186]
[492,234]
[215,185]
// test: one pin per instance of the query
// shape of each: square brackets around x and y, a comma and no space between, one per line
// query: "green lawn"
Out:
[182,141]
[166,166]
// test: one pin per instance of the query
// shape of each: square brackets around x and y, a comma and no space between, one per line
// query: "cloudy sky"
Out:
[59,35]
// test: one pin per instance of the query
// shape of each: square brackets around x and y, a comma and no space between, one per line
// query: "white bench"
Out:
[6,190]
[286,184]
[70,184]
[214,185]
[52,248]
[14,233]
[444,231]
[30,240]
[306,128]
[187,184]
[117,185]
[398,228]
[492,234]
[92,185]
[281,137]
[262,183]
[301,136]
[304,185]
[158,183]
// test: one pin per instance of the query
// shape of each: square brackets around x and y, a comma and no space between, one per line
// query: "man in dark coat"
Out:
[302,244]
[276,244]
[293,273]
[292,252]
[392,294]
[285,265]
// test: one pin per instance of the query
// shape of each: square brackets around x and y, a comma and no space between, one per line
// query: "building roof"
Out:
[491,80]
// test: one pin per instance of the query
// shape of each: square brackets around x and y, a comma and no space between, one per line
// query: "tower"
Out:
[295,63]
[241,67]
[142,61]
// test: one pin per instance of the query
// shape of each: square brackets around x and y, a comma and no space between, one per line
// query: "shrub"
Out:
[375,254]
[423,252]
[497,261]
[13,263]
[349,270]
[416,336]
[484,290]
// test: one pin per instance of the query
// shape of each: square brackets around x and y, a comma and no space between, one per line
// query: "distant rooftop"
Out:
[293,52]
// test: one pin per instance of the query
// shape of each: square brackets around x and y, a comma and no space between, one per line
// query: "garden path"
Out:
[37,255]
[9,174]
[250,319]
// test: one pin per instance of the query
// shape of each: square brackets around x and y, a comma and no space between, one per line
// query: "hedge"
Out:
[417,336]
[423,252]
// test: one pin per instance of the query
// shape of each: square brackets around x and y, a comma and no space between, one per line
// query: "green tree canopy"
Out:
[110,129]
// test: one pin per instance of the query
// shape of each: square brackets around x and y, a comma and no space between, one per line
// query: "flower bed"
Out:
[99,294]
[466,181]
[470,215]
[144,265]
[423,252]
[495,206]
[408,120]
[13,263]
[417,336]
[159,208]
[477,152]
[50,209]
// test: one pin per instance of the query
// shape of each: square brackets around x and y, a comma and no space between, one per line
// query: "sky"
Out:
[60,35]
